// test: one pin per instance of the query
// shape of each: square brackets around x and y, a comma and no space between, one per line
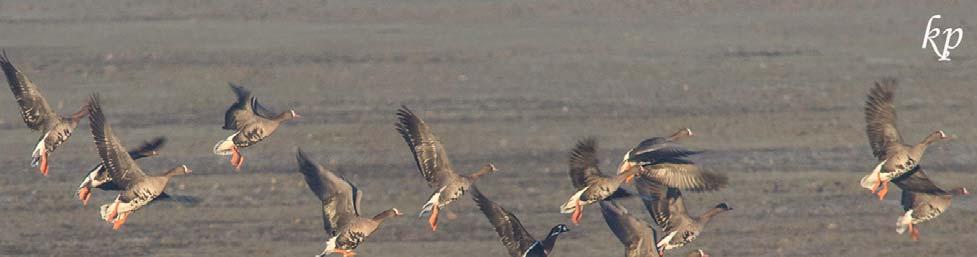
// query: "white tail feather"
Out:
[429,206]
[903,223]
[571,204]
[664,242]
[38,150]
[224,147]
[330,247]
[872,179]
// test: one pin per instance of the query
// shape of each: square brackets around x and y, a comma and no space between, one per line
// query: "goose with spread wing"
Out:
[38,115]
[667,208]
[590,183]
[639,237]
[895,157]
[432,160]
[340,208]
[922,200]
[138,189]
[251,123]
[513,235]
[99,177]
[664,160]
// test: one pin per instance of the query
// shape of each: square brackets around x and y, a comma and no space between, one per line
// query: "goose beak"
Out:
[188,170]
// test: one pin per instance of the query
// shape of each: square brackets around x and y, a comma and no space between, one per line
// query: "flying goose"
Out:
[922,200]
[511,232]
[895,157]
[38,115]
[99,177]
[667,208]
[340,208]
[251,122]
[138,189]
[590,183]
[432,160]
[638,237]
[663,160]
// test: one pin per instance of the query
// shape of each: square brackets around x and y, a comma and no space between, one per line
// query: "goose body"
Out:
[638,237]
[341,219]
[38,115]
[663,159]
[251,123]
[138,189]
[895,157]
[513,235]
[590,183]
[98,177]
[667,207]
[433,163]
[922,200]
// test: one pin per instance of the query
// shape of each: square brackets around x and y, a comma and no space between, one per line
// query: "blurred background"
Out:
[774,90]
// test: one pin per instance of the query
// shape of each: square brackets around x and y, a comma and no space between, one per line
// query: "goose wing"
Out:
[120,166]
[429,154]
[583,163]
[34,109]
[880,118]
[665,204]
[513,235]
[340,199]
[685,175]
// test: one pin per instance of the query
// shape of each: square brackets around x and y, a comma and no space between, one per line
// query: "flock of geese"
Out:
[658,168]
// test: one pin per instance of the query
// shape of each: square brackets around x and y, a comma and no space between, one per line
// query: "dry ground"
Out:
[774,90]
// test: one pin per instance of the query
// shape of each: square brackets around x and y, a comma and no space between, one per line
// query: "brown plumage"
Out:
[251,122]
[38,115]
[432,160]
[138,189]
[667,208]
[922,200]
[99,177]
[895,157]
[638,237]
[513,235]
[663,159]
[590,183]
[340,208]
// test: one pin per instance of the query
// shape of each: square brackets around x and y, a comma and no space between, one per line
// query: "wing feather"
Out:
[429,154]
[513,235]
[120,166]
[880,118]
[583,163]
[34,109]
[340,199]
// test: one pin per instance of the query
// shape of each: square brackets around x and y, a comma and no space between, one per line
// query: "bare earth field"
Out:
[773,89]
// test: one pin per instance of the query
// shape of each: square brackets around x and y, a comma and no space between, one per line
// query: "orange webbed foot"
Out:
[44,166]
[577,214]
[884,191]
[433,220]
[121,220]
[914,232]
[237,159]
[84,194]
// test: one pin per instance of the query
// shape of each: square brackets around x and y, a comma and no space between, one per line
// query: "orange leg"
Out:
[122,220]
[345,253]
[577,214]
[885,190]
[43,163]
[84,194]
[114,212]
[236,158]
[433,220]
[877,184]
[913,232]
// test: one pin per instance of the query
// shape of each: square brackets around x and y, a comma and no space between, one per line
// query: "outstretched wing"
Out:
[148,148]
[340,199]
[121,167]
[240,114]
[429,153]
[686,176]
[34,108]
[880,118]
[583,163]
[633,233]
[916,181]
[514,237]
[665,204]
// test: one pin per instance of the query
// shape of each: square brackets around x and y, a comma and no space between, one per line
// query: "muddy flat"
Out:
[773,91]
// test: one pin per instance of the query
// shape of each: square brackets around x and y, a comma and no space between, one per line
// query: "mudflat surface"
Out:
[774,92]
